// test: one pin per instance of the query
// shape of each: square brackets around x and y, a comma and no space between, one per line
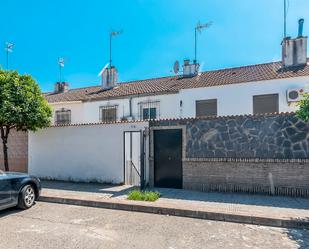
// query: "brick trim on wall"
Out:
[253,160]
[285,178]
[17,152]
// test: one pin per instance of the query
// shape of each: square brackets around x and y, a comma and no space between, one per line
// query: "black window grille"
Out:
[149,110]
[108,113]
[63,117]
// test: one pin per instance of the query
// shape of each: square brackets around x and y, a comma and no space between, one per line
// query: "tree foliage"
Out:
[22,106]
[303,112]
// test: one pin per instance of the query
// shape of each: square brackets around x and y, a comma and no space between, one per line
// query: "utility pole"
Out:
[198,28]
[111,35]
[8,48]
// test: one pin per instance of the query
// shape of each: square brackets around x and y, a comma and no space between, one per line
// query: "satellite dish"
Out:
[176,67]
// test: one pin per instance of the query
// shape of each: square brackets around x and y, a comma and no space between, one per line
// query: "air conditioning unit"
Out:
[295,95]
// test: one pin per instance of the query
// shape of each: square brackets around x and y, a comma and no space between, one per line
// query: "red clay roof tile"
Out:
[164,85]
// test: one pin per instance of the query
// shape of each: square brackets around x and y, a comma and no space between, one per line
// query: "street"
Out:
[64,226]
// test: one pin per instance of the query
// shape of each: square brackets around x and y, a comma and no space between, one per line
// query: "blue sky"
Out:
[155,34]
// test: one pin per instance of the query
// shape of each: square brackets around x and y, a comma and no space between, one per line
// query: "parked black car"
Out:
[18,189]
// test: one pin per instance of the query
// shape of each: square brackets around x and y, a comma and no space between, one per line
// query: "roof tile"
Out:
[163,85]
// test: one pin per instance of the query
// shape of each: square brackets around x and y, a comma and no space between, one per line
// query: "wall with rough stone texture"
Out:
[266,154]
[273,136]
[17,152]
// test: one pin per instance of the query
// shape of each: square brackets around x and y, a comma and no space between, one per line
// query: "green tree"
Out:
[22,107]
[303,112]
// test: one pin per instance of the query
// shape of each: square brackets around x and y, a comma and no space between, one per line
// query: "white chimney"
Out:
[61,87]
[190,70]
[294,51]
[109,77]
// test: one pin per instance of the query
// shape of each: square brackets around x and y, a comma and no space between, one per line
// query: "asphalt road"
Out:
[63,226]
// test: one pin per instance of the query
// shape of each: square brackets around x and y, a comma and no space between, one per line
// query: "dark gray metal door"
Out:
[168,158]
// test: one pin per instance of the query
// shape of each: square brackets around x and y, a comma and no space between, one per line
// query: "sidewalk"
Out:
[252,209]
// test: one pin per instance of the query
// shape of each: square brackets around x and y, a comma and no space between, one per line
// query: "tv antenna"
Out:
[103,69]
[198,29]
[9,49]
[286,5]
[111,35]
[61,65]
[284,19]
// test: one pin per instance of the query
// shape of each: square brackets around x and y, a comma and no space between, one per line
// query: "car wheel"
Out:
[26,197]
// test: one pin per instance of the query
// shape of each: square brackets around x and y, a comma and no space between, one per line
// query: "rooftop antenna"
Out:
[103,69]
[285,10]
[111,35]
[9,49]
[198,29]
[61,65]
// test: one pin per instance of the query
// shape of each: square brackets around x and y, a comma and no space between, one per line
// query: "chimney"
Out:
[109,77]
[61,87]
[190,70]
[294,51]
[300,27]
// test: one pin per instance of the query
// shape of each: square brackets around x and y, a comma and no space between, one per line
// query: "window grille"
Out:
[108,114]
[63,117]
[149,110]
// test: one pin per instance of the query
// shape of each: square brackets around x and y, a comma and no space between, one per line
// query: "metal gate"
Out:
[168,158]
[134,157]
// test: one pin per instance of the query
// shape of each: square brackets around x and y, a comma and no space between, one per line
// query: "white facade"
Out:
[76,107]
[233,99]
[237,99]
[88,153]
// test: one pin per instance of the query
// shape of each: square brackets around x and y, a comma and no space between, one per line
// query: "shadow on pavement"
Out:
[111,191]
[299,236]
[10,211]
[107,189]
[236,198]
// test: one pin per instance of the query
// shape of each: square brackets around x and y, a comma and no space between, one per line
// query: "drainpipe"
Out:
[130,106]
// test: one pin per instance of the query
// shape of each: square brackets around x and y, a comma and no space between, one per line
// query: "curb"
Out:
[254,220]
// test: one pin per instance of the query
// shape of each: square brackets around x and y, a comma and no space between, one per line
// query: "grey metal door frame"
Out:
[138,169]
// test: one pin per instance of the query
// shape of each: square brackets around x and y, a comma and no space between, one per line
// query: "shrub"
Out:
[138,195]
[303,112]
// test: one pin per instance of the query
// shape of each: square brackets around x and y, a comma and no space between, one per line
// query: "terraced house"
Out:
[229,147]
[264,88]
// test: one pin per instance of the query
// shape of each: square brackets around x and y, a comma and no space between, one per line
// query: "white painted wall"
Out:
[168,103]
[238,98]
[76,107]
[232,99]
[80,153]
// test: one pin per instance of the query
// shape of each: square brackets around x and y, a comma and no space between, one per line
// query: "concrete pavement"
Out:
[251,209]
[54,226]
